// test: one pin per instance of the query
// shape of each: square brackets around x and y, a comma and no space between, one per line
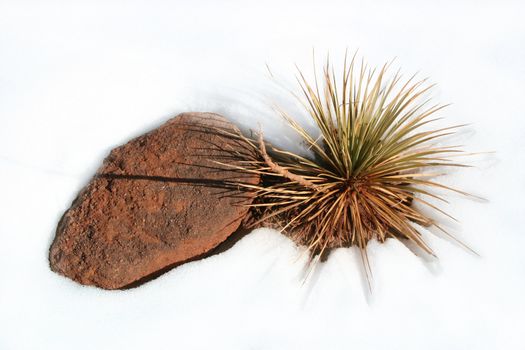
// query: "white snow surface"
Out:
[78,78]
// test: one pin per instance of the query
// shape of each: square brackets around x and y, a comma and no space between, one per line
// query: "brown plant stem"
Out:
[276,168]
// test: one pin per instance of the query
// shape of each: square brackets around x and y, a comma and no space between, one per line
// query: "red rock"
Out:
[155,202]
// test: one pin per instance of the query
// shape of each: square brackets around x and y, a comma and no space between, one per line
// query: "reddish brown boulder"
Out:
[157,201]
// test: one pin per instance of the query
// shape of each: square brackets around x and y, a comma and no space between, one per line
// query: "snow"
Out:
[80,77]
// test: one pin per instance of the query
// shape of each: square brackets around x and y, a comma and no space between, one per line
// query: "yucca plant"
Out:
[365,168]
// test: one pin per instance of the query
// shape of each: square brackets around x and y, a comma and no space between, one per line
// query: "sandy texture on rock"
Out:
[157,201]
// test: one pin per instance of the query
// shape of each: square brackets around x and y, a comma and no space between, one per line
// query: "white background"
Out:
[80,77]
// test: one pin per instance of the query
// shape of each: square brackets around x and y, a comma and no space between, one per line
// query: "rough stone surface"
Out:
[155,202]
